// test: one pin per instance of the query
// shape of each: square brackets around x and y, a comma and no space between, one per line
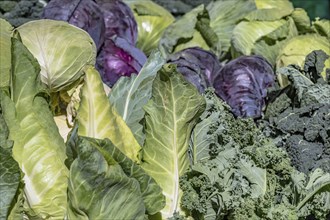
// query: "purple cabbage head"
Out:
[118,58]
[85,14]
[243,84]
[198,66]
[119,20]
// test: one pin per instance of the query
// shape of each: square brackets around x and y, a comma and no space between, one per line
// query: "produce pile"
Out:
[116,109]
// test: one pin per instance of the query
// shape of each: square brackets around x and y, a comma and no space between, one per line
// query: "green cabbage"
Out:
[61,49]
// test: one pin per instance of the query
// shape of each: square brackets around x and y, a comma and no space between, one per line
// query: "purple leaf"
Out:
[119,58]
[119,20]
[243,84]
[197,65]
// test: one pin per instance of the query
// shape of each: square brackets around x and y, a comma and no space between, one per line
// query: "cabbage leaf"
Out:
[5,52]
[171,114]
[38,147]
[61,49]
[130,94]
[97,118]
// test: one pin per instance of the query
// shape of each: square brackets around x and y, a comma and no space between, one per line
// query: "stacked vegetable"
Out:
[116,110]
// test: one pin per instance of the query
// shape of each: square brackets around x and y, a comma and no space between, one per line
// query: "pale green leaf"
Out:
[224,16]
[61,49]
[171,114]
[97,118]
[129,95]
[5,52]
[38,147]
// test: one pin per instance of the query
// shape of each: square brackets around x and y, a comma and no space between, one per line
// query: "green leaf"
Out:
[224,15]
[256,176]
[191,30]
[5,53]
[152,20]
[171,114]
[129,95]
[97,118]
[270,10]
[10,177]
[38,147]
[62,50]
[99,188]
[319,182]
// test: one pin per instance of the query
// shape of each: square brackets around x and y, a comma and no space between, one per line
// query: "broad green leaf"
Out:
[224,15]
[10,177]
[171,114]
[152,20]
[270,10]
[100,189]
[38,147]
[322,27]
[192,29]
[301,20]
[61,49]
[5,52]
[129,95]
[256,176]
[97,118]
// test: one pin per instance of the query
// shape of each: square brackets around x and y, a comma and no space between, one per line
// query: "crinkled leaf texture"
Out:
[118,188]
[191,30]
[171,114]
[38,147]
[152,19]
[200,67]
[97,118]
[243,84]
[85,14]
[5,53]
[130,94]
[61,49]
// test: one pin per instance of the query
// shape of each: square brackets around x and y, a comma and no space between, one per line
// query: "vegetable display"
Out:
[111,109]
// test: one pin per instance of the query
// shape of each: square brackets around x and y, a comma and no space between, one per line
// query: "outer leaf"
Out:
[224,16]
[98,118]
[192,30]
[38,147]
[99,188]
[5,52]
[152,19]
[10,177]
[171,114]
[61,49]
[129,95]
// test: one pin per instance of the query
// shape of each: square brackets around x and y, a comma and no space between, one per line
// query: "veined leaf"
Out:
[38,147]
[256,176]
[129,95]
[97,118]
[171,114]
[98,187]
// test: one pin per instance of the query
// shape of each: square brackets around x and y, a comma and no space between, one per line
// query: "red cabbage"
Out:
[243,84]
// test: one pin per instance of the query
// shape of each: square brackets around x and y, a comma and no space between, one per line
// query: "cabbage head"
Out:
[62,51]
[152,19]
